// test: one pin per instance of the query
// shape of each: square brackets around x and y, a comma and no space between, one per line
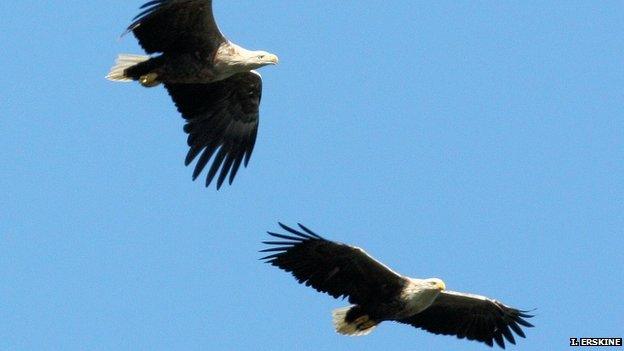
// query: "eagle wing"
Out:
[220,116]
[177,26]
[337,269]
[473,317]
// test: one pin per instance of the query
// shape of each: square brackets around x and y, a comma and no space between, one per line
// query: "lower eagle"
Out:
[379,294]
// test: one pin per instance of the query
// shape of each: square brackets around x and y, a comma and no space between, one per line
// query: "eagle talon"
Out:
[149,80]
[361,320]
[366,325]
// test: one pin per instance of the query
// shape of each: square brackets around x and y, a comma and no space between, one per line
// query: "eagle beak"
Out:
[441,286]
[272,59]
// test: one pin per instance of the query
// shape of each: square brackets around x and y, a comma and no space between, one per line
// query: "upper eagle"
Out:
[210,79]
[379,294]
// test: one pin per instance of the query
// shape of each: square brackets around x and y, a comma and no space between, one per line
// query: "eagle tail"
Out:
[353,321]
[124,61]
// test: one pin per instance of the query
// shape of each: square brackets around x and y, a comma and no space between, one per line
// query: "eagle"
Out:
[211,80]
[380,294]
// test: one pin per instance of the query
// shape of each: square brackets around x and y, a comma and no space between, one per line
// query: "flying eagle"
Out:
[379,294]
[210,79]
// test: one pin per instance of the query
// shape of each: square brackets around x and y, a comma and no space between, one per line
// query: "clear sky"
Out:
[479,142]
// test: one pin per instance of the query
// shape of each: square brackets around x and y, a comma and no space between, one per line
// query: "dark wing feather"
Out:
[334,268]
[472,317]
[222,120]
[177,26]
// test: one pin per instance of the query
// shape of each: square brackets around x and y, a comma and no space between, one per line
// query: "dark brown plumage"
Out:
[222,115]
[177,26]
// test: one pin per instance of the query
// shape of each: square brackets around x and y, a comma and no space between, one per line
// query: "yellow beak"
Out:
[438,283]
[441,285]
[273,59]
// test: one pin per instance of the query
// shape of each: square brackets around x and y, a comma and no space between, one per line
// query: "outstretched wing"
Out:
[473,317]
[220,116]
[177,26]
[334,268]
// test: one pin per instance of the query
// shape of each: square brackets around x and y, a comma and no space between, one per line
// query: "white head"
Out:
[235,56]
[435,284]
[258,59]
[431,286]
[421,293]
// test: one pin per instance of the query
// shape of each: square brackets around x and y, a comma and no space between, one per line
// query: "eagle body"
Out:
[414,296]
[211,80]
[379,294]
[194,68]
[177,68]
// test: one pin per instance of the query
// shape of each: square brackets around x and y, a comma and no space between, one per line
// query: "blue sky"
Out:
[478,142]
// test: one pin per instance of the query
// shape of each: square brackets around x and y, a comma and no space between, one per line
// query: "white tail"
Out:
[124,61]
[360,326]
